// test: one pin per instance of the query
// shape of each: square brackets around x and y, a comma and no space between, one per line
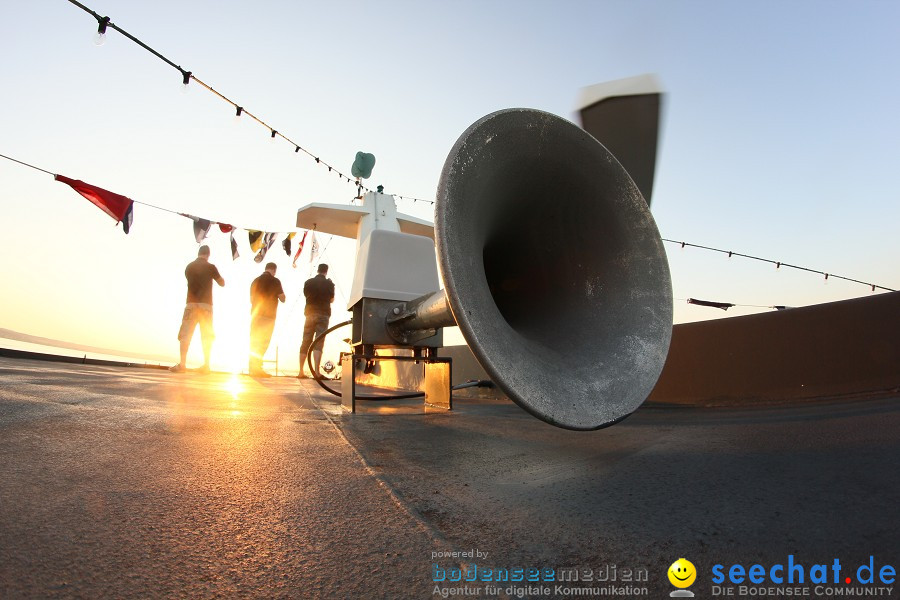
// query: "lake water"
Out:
[29,347]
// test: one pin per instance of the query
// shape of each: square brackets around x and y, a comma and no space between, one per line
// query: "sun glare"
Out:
[234,386]
[232,346]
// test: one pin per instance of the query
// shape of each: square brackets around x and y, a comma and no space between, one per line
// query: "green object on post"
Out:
[363,165]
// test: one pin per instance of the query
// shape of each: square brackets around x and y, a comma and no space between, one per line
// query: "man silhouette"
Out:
[200,274]
[265,293]
[319,293]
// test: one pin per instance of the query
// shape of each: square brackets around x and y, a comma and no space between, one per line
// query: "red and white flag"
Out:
[299,249]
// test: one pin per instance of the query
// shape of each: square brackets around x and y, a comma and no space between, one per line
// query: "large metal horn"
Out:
[554,268]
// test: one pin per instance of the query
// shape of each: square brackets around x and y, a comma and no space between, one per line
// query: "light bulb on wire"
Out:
[100,36]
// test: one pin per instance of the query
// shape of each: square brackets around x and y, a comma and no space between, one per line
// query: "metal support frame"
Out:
[264,361]
[438,371]
[348,382]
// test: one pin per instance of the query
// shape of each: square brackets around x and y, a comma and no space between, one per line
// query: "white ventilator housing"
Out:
[395,257]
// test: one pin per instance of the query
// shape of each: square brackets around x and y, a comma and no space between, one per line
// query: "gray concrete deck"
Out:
[132,483]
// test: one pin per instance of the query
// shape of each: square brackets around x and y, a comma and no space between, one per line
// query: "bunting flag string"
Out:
[121,208]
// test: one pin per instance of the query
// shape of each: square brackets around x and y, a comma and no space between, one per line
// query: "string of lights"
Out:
[415,199]
[778,264]
[104,23]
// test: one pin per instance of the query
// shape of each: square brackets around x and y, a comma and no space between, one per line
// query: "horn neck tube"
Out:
[420,318]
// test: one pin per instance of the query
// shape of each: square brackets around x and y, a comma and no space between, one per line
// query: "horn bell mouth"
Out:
[554,268]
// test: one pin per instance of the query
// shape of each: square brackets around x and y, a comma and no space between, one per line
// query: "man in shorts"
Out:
[198,307]
[319,292]
[265,293]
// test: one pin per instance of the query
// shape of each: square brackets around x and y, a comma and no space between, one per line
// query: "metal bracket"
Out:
[395,319]
[348,382]
[437,385]
[437,372]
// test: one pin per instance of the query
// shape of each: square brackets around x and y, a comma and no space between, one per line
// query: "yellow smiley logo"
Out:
[682,573]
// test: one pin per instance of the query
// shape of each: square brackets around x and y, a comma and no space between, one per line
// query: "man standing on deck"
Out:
[198,307]
[319,292]
[265,293]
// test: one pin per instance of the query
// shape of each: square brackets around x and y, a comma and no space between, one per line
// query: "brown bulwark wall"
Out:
[822,351]
[827,350]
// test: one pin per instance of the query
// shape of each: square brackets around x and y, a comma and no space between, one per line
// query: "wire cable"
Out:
[318,377]
[27,165]
[471,383]
[778,264]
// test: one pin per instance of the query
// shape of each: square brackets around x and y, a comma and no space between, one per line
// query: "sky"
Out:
[779,139]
